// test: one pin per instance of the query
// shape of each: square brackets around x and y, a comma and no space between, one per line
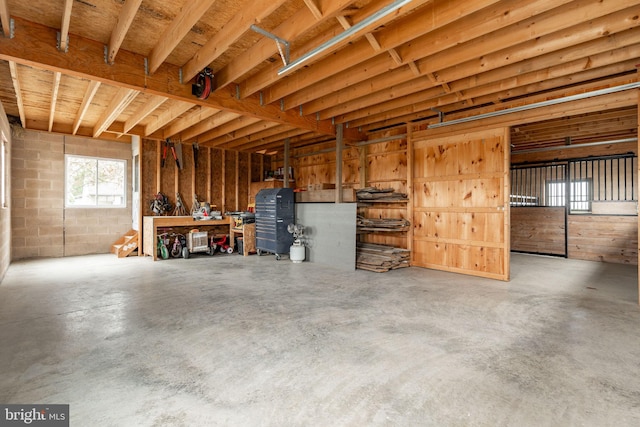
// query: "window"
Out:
[4,158]
[580,195]
[95,182]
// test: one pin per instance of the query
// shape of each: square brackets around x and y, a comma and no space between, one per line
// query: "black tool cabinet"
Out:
[275,210]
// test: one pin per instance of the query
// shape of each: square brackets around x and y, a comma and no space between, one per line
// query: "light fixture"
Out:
[346,34]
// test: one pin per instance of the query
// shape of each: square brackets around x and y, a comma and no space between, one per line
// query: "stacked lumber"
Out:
[381,258]
[382,224]
[386,195]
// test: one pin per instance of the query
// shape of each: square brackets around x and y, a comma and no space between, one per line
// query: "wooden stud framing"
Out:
[86,102]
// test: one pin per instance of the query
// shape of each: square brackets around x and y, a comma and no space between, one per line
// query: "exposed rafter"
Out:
[194,117]
[64,28]
[191,13]
[147,108]
[127,13]
[120,101]
[54,98]
[13,68]
[86,102]
[314,8]
[231,32]
[176,109]
[5,18]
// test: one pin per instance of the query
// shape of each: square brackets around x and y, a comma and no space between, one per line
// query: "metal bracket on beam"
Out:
[106,54]
[282,104]
[146,68]
[12,28]
[59,42]
[301,111]
[440,114]
[237,91]
[261,99]
[279,42]
[180,76]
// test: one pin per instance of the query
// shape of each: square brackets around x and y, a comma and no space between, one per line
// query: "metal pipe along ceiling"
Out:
[342,36]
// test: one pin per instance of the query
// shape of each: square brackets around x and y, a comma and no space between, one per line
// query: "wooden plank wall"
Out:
[382,165]
[220,178]
[460,203]
[538,230]
[604,238]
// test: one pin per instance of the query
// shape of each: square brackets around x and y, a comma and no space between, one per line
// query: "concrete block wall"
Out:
[5,212]
[41,225]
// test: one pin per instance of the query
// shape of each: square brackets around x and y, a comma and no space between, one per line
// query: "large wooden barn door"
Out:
[461,203]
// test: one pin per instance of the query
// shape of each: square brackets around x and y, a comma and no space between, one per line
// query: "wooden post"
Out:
[237,181]
[285,184]
[410,173]
[339,144]
[223,181]
[363,165]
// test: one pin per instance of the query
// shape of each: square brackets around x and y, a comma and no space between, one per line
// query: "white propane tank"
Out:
[297,253]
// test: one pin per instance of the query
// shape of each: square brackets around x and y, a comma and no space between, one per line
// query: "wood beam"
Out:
[229,34]
[212,122]
[86,102]
[173,112]
[31,47]
[191,119]
[349,66]
[502,83]
[120,101]
[125,18]
[189,15]
[13,69]
[147,108]
[64,28]
[54,98]
[300,23]
[228,129]
[432,15]
[5,18]
[314,8]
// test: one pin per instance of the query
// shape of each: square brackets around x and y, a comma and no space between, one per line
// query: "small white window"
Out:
[95,182]
[580,195]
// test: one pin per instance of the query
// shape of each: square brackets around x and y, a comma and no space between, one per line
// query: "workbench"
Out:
[150,225]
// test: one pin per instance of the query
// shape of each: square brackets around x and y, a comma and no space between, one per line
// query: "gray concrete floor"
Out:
[238,341]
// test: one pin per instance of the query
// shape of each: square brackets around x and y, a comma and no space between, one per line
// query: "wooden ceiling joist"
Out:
[147,108]
[5,18]
[86,102]
[175,110]
[301,22]
[125,19]
[190,14]
[54,98]
[120,101]
[29,47]
[13,68]
[314,8]
[195,116]
[64,28]
[231,32]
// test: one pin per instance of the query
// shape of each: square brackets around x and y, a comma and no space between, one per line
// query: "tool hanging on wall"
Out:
[168,145]
[204,84]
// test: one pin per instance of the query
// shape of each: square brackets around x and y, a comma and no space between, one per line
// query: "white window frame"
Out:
[96,205]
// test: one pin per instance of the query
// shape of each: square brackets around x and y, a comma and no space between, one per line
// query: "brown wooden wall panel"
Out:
[185,177]
[604,238]
[230,171]
[538,230]
[148,184]
[217,182]
[386,167]
[460,213]
[473,227]
[243,181]
[201,175]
